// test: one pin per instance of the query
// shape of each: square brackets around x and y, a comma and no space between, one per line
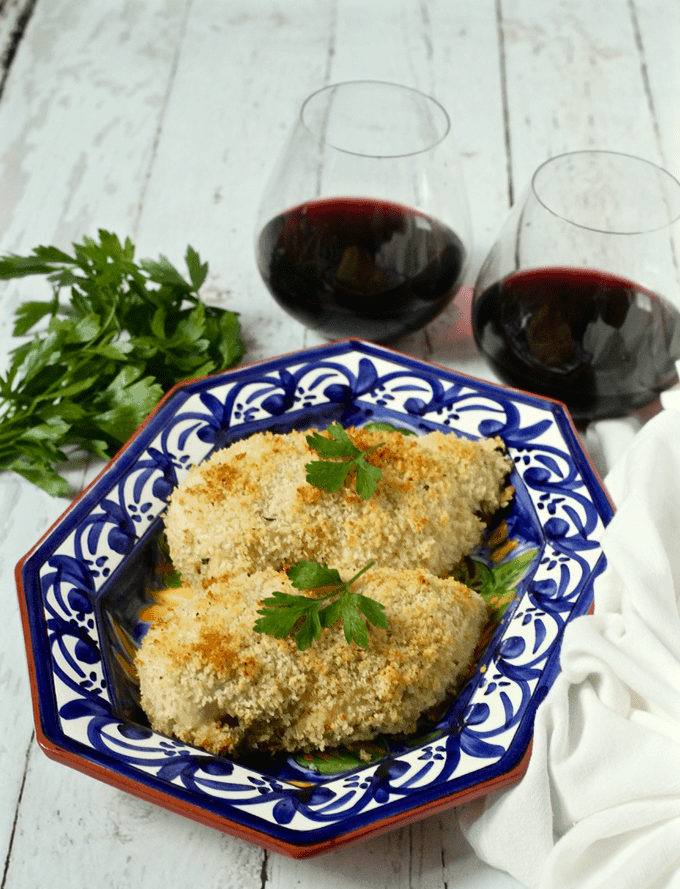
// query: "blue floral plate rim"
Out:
[63,581]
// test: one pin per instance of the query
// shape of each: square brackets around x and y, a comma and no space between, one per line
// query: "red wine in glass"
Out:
[360,267]
[594,341]
[363,229]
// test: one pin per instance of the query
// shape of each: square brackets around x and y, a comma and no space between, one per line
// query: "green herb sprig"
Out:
[129,332]
[339,456]
[286,613]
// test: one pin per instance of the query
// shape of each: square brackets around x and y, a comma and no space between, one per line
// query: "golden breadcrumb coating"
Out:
[249,506]
[208,679]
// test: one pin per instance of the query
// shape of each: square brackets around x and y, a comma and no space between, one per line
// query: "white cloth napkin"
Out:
[599,805]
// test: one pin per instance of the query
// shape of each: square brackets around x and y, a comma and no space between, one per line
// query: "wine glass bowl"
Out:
[579,297]
[363,229]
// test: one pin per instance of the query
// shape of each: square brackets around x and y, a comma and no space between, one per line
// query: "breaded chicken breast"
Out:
[208,679]
[249,507]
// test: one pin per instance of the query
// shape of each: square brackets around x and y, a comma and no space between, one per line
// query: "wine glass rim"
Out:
[603,151]
[382,83]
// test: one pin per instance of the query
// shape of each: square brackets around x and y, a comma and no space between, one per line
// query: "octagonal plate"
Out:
[86,589]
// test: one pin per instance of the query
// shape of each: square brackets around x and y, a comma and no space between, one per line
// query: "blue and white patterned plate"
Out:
[86,587]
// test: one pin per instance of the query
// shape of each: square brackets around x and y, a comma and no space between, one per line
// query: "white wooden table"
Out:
[160,119]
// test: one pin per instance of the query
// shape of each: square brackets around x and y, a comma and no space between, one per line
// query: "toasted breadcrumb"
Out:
[208,679]
[249,507]
[241,518]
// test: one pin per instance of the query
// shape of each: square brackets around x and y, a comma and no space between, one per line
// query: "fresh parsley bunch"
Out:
[129,332]
[305,616]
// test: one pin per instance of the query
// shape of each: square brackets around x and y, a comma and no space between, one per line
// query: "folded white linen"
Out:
[599,805]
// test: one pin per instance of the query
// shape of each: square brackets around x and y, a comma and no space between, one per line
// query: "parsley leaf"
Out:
[330,475]
[102,359]
[285,613]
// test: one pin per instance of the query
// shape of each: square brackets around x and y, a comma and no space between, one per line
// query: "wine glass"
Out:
[579,297]
[363,229]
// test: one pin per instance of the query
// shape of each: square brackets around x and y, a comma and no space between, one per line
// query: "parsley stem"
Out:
[345,586]
[358,575]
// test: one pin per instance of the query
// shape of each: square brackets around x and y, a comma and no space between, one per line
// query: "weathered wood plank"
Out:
[656,26]
[578,77]
[574,82]
[460,62]
[16,723]
[85,834]
[242,75]
[78,117]
[14,18]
